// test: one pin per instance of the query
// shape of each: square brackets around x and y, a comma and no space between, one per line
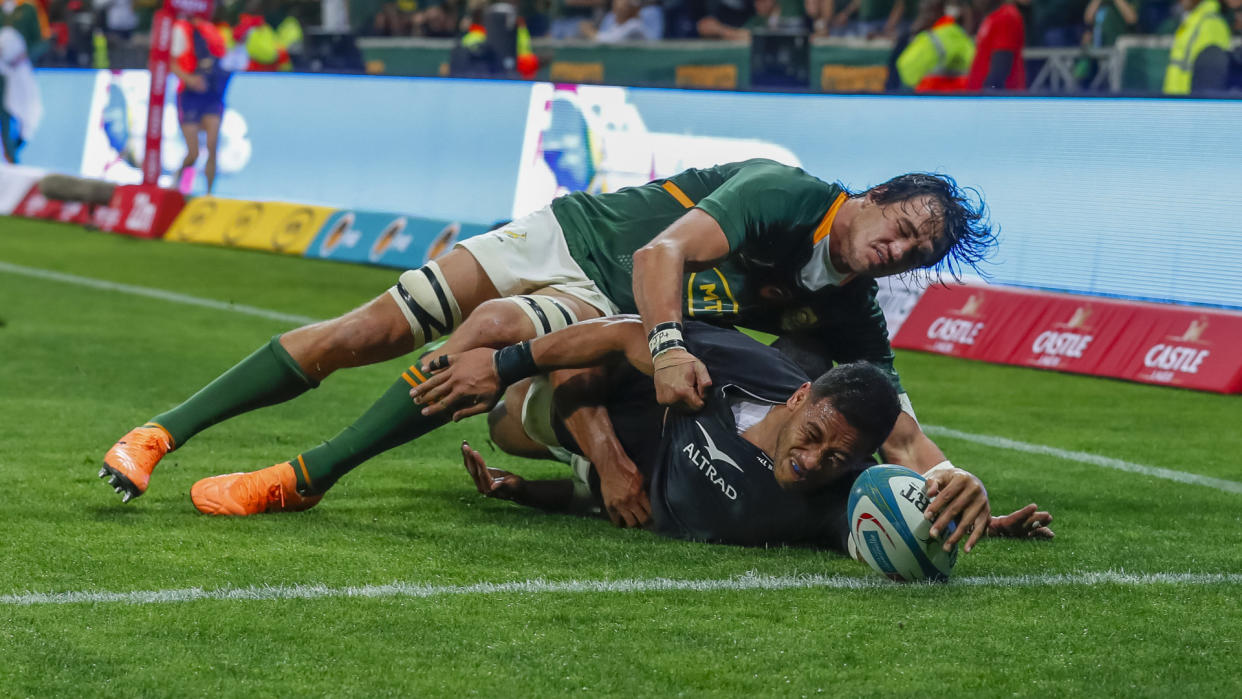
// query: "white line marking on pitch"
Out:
[1085,458]
[987,440]
[743,582]
[160,294]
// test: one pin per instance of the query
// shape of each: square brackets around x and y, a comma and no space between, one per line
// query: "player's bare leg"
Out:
[211,127]
[392,420]
[190,132]
[424,305]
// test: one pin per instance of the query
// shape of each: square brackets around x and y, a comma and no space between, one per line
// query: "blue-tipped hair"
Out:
[969,239]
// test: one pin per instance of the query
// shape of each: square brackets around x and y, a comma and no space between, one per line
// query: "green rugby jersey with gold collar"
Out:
[777,277]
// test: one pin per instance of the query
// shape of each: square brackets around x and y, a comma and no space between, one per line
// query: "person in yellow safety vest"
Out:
[527,61]
[938,58]
[268,48]
[1202,28]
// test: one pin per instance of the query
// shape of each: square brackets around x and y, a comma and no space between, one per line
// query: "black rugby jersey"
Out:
[704,480]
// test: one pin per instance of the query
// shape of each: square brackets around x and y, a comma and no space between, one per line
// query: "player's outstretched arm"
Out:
[957,494]
[471,382]
[694,242]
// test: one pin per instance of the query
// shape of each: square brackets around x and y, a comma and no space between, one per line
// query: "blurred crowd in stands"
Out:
[939,38]
[1048,23]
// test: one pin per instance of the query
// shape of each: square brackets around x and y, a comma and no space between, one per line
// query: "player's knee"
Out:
[501,322]
[496,323]
[191,155]
[426,299]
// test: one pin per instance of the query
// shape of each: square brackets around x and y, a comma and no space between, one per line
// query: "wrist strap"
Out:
[664,337]
[942,466]
[514,363]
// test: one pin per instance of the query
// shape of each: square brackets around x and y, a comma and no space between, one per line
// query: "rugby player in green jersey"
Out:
[754,243]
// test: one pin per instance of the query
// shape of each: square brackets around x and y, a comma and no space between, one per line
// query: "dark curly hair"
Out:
[865,398]
[969,238]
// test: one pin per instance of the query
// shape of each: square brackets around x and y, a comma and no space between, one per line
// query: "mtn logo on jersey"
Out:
[705,459]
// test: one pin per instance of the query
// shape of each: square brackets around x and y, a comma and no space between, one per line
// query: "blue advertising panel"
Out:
[390,240]
[1126,197]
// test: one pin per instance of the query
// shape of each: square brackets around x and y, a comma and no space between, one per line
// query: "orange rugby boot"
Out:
[129,463]
[271,489]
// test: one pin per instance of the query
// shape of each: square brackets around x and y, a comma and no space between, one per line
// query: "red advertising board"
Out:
[140,210]
[1152,343]
[35,205]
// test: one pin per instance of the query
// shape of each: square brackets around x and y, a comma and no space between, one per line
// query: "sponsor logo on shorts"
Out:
[516,235]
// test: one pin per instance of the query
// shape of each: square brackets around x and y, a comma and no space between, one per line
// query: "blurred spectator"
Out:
[411,18]
[998,60]
[724,21]
[396,18]
[1155,16]
[267,47]
[569,15]
[628,20]
[21,104]
[1199,60]
[1232,10]
[938,58]
[1057,22]
[478,55]
[118,18]
[870,18]
[24,36]
[334,16]
[1109,19]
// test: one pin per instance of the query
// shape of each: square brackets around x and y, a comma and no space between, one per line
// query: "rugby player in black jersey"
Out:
[768,459]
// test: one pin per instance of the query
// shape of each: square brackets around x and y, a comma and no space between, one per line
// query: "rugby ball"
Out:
[888,530]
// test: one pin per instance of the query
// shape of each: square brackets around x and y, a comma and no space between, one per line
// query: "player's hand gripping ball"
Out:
[888,529]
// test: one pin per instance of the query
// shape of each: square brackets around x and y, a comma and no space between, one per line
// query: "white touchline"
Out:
[160,294]
[1085,458]
[739,583]
[986,440]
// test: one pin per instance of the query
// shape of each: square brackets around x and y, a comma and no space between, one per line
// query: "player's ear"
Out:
[800,395]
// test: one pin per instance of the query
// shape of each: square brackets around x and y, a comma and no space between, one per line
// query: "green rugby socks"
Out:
[267,377]
[391,421]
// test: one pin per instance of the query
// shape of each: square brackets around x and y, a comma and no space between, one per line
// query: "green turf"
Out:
[80,366]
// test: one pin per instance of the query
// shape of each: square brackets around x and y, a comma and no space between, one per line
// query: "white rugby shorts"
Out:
[530,254]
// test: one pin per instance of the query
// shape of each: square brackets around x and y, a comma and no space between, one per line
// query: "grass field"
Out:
[278,605]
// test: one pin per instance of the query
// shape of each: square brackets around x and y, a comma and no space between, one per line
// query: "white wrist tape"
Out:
[664,337]
[942,466]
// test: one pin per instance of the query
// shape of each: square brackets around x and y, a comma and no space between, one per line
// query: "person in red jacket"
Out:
[196,51]
[998,63]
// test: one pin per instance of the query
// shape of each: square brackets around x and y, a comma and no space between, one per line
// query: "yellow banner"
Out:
[269,225]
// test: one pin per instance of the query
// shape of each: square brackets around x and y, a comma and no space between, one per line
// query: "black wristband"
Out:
[514,363]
